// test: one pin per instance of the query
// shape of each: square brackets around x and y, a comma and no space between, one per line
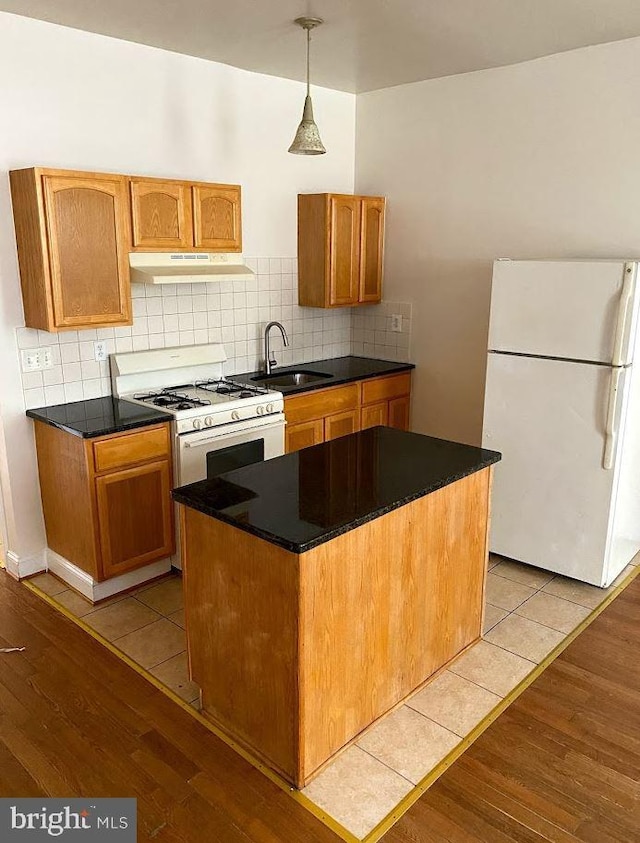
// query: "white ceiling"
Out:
[364,44]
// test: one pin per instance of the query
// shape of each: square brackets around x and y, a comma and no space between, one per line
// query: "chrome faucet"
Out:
[269,363]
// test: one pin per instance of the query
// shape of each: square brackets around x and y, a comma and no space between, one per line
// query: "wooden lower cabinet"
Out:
[323,414]
[374,415]
[341,424]
[304,434]
[107,501]
[134,515]
[398,413]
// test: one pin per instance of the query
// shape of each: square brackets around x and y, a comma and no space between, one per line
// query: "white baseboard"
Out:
[25,566]
[94,590]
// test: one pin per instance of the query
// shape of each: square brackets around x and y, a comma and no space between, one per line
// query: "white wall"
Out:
[76,100]
[535,160]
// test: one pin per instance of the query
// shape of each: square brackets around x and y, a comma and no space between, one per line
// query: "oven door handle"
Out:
[201,442]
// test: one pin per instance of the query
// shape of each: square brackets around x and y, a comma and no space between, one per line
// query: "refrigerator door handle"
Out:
[623,326]
[611,427]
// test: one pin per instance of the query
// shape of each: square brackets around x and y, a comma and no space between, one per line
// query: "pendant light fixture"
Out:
[307,140]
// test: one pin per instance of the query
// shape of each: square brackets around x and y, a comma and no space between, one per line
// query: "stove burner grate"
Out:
[171,400]
[233,390]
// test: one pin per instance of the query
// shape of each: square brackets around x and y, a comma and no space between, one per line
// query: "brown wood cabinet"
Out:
[340,249]
[170,215]
[323,414]
[107,501]
[297,653]
[217,217]
[161,214]
[386,401]
[73,241]
[74,232]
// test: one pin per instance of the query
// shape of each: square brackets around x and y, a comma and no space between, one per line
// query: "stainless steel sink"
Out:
[290,378]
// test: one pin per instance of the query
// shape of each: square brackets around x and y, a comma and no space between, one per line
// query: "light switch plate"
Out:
[396,323]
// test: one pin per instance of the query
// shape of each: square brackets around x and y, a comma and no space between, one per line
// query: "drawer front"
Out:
[320,403]
[119,451]
[382,389]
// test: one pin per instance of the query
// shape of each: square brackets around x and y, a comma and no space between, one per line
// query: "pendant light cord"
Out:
[308,47]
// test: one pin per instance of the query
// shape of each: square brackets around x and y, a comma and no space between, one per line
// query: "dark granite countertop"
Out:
[98,416]
[303,499]
[340,369]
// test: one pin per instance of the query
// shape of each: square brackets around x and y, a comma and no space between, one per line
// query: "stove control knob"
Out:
[208,421]
[197,424]
[235,415]
[269,408]
[260,410]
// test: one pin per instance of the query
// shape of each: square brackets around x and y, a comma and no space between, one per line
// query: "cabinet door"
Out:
[344,272]
[371,250]
[374,415]
[161,215]
[135,517]
[303,435]
[88,238]
[217,217]
[399,413]
[341,424]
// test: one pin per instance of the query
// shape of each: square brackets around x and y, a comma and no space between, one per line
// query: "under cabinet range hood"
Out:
[187,267]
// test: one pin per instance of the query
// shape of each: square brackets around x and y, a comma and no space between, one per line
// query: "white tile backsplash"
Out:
[232,312]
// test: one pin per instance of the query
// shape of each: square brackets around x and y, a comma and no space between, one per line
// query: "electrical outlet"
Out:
[396,323]
[46,358]
[30,359]
[100,350]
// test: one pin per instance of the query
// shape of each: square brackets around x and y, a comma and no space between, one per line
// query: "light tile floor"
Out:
[528,613]
[147,624]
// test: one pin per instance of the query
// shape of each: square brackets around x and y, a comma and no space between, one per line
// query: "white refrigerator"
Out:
[562,404]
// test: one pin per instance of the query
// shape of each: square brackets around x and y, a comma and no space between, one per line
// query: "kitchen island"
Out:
[324,587]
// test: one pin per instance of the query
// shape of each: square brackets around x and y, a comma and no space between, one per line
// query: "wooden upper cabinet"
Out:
[340,249]
[217,217]
[161,214]
[73,242]
[371,244]
[74,232]
[344,255]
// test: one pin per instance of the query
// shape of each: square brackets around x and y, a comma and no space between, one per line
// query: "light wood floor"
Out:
[562,764]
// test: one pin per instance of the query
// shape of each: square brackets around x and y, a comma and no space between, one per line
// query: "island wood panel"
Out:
[241,611]
[401,596]
[68,504]
[297,654]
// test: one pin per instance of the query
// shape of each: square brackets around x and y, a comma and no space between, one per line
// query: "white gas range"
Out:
[218,424]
